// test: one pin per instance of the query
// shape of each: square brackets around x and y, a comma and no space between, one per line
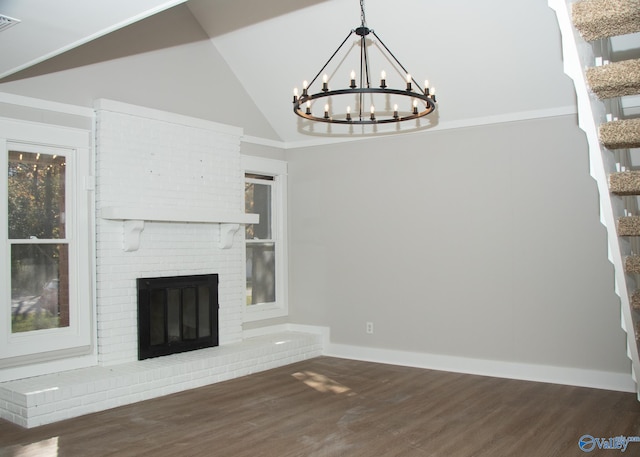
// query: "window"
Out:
[45,282]
[38,245]
[265,194]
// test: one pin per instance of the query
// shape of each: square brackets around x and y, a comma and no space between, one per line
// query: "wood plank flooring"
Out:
[328,407]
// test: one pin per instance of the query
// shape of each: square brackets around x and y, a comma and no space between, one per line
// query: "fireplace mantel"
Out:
[133,220]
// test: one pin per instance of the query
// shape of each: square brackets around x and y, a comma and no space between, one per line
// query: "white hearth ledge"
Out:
[134,218]
[50,398]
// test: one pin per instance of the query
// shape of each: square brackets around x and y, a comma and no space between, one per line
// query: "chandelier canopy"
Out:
[373,104]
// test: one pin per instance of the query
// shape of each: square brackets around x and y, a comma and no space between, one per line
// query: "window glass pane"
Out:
[36,189]
[157,310]
[39,286]
[189,310]
[204,329]
[173,313]
[261,273]
[257,200]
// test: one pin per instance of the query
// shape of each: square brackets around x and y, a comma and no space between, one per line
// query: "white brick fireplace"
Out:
[149,165]
[169,202]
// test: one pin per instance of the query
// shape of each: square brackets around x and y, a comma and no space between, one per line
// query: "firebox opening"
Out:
[177,314]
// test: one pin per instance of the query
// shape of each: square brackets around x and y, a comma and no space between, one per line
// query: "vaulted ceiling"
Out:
[490,60]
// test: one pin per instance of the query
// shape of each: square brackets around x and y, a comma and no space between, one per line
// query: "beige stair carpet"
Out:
[635,300]
[625,183]
[621,134]
[632,264]
[616,79]
[629,226]
[597,19]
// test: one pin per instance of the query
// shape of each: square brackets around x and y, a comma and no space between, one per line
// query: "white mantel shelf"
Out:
[134,218]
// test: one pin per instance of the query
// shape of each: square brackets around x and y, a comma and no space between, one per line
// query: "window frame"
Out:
[22,352]
[277,169]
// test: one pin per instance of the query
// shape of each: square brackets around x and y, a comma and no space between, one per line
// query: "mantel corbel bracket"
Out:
[227,231]
[131,234]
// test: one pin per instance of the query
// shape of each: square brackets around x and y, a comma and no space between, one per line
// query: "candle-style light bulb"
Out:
[395,111]
[348,113]
[326,111]
[426,87]
[415,106]
[408,81]
[383,79]
[309,107]
[352,84]
[373,113]
[305,86]
[295,94]
[325,82]
[433,94]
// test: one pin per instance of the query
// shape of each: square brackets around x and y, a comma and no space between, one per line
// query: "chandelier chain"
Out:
[362,17]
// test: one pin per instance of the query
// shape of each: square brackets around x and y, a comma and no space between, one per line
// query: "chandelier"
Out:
[373,103]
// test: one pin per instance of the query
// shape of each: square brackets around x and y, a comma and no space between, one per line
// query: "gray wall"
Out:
[480,242]
[180,72]
[259,150]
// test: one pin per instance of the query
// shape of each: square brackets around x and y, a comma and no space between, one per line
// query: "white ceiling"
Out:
[47,28]
[489,60]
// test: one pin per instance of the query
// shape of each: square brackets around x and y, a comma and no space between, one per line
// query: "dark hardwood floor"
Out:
[335,407]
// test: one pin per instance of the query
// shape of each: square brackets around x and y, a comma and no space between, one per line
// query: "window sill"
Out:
[254,313]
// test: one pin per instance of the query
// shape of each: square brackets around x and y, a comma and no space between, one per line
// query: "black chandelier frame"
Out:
[302,102]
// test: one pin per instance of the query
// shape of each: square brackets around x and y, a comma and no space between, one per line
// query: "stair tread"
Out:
[596,19]
[632,264]
[617,79]
[625,183]
[629,226]
[620,134]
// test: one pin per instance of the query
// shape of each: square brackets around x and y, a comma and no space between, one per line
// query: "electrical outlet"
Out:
[369,327]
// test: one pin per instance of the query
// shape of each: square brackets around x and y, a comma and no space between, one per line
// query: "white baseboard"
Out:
[621,382]
[527,372]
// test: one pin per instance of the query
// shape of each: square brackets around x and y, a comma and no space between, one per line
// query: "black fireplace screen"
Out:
[177,314]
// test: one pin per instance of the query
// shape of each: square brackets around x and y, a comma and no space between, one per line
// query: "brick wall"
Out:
[153,160]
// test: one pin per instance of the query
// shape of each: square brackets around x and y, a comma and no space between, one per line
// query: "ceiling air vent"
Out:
[6,22]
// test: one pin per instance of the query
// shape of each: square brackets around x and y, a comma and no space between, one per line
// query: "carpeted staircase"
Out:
[589,29]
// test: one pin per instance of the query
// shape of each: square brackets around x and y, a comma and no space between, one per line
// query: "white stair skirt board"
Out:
[595,19]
